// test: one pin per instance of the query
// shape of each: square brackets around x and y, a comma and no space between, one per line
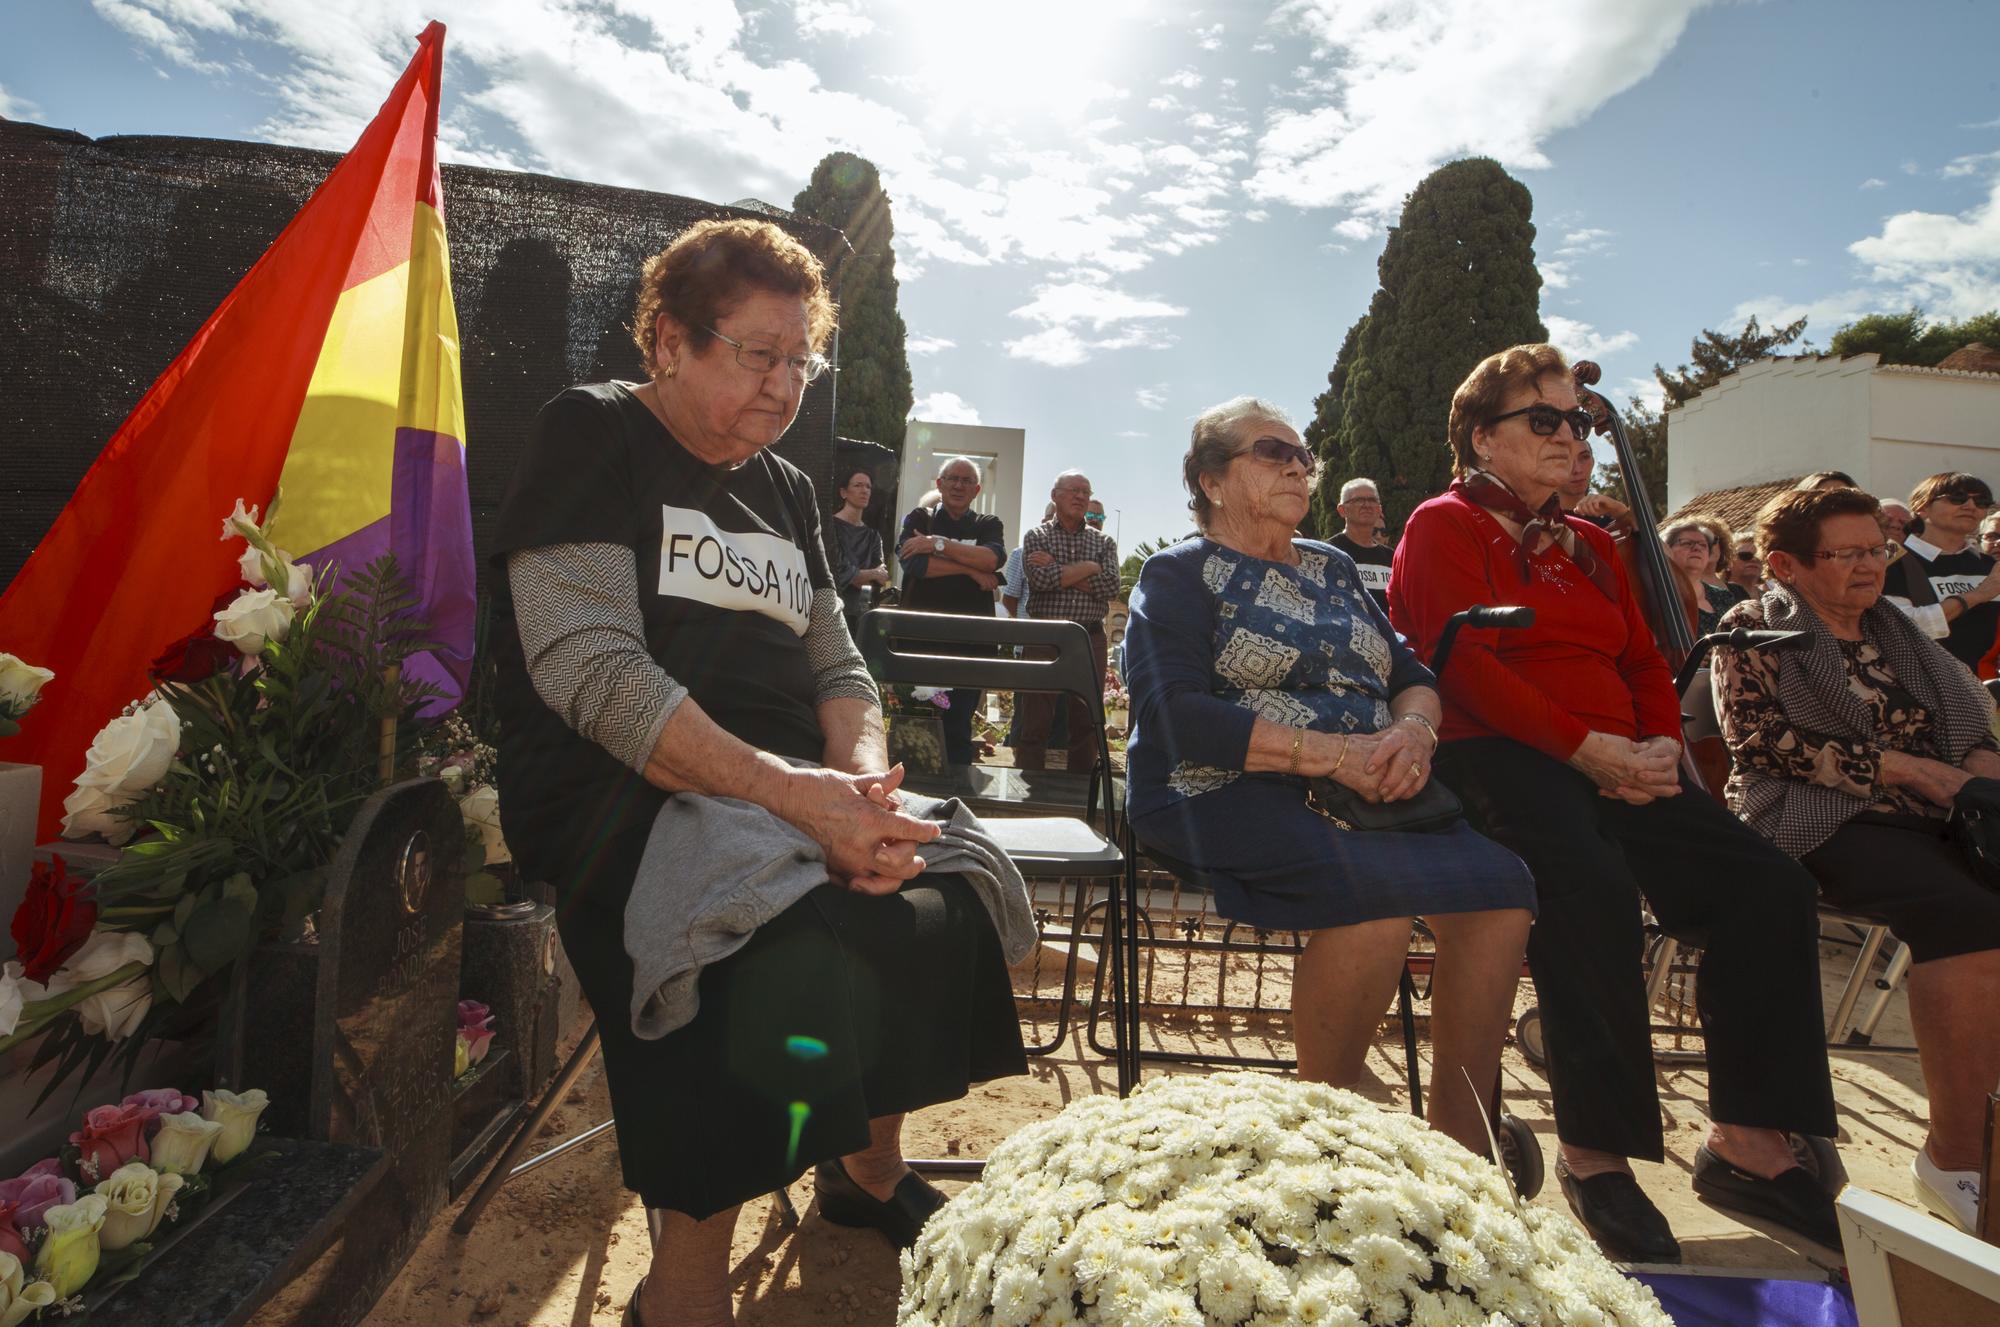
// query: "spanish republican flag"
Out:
[332,370]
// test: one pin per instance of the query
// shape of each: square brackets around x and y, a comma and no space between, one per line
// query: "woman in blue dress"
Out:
[1255,661]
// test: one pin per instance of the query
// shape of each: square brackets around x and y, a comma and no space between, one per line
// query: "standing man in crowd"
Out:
[1896,521]
[1073,576]
[1361,538]
[951,558]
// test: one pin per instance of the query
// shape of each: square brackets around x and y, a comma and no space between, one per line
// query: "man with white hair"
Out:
[951,556]
[1361,508]
[1072,576]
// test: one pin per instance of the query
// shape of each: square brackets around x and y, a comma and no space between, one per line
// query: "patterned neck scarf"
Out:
[1485,490]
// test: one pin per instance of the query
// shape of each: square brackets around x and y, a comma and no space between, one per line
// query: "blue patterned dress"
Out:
[1218,639]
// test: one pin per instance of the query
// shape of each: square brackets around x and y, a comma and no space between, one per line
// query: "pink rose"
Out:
[34,1193]
[472,1014]
[477,1041]
[157,1101]
[10,1236]
[110,1137]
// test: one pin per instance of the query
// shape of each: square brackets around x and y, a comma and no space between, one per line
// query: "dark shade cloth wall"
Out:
[114,251]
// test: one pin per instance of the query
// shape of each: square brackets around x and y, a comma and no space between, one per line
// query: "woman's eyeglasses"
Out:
[1279,452]
[759,360]
[1544,420]
[1691,543]
[1847,557]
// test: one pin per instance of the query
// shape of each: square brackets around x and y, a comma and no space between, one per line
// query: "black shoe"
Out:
[1793,1199]
[846,1203]
[1620,1217]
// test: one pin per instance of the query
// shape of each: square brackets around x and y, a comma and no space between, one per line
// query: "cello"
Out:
[1664,598]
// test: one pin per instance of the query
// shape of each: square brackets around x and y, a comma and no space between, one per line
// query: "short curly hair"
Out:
[1789,523]
[1478,398]
[711,267]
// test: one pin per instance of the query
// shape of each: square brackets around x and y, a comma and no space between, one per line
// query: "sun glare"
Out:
[1055,59]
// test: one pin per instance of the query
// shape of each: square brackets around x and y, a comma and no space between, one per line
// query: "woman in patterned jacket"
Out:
[1256,660]
[1848,754]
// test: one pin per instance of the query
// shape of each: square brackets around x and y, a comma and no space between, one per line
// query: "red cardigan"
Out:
[1586,665]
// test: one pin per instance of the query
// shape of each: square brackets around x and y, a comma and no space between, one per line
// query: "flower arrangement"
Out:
[244,766]
[1243,1198]
[468,764]
[20,687]
[475,1037]
[129,1172]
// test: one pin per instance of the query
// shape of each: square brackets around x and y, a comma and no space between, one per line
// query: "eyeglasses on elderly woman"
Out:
[1847,557]
[762,359]
[1280,452]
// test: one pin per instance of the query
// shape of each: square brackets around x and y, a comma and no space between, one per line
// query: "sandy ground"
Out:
[564,1245]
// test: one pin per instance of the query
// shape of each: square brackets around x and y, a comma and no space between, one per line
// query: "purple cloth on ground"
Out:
[1732,1301]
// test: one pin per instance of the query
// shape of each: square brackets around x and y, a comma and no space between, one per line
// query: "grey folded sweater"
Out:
[716,868]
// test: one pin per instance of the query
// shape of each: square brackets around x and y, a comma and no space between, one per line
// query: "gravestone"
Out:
[385,1018]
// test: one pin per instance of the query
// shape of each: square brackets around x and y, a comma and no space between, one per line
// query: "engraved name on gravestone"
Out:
[385,1023]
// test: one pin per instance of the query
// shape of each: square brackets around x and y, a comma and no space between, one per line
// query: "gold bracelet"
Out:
[1298,741]
[1340,759]
[1428,726]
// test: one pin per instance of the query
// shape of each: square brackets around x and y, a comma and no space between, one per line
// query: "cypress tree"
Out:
[873,396]
[1459,282]
[1319,435]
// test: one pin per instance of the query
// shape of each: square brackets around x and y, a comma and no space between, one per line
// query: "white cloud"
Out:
[1823,316]
[831,18]
[1971,164]
[1112,319]
[1587,240]
[1580,340]
[1183,78]
[927,345]
[1949,264]
[170,39]
[1151,398]
[1209,38]
[17,108]
[1057,347]
[1405,85]
[1873,183]
[944,408]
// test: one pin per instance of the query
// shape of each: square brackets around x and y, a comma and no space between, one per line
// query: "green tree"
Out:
[872,396]
[1646,434]
[1321,430]
[1128,570]
[1906,338]
[1716,355]
[1458,283]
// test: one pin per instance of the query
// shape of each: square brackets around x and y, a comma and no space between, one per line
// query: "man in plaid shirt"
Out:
[1072,575]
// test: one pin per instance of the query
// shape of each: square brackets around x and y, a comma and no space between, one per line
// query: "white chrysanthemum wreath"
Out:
[1248,1199]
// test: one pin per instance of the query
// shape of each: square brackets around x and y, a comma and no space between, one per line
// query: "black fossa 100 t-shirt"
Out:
[728,561]
[1927,574]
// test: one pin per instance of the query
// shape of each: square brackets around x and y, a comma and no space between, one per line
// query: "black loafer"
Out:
[1792,1199]
[1620,1217]
[846,1203]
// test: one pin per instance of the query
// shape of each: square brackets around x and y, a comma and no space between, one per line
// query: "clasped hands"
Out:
[1635,772]
[870,843]
[1388,766]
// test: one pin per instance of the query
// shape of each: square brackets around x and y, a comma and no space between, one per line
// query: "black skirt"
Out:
[843,1008]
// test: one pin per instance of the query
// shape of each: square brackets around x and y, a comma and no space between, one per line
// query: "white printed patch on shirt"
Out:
[1374,576]
[747,573]
[1956,583]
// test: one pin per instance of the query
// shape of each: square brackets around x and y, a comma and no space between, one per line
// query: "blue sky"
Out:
[1112,213]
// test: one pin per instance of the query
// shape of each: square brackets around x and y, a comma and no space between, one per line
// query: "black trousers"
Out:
[1701,869]
[1904,873]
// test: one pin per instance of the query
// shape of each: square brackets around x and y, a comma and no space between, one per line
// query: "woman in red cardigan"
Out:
[1563,740]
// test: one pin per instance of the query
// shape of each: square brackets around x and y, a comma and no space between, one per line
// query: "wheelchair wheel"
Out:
[1521,1154]
[1528,1036]
[1820,1159]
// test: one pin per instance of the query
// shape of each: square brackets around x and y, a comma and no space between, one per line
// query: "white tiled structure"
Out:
[998,452]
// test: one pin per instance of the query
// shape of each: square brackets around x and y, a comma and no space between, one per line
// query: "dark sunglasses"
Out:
[1981,500]
[1545,419]
[1745,555]
[1279,452]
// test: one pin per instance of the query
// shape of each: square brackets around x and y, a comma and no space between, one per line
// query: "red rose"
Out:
[10,1235]
[53,920]
[110,1137]
[195,656]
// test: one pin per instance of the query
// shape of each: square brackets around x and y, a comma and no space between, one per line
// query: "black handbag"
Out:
[1435,808]
[1975,826]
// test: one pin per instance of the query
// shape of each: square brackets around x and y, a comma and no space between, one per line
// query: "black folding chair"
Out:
[906,648]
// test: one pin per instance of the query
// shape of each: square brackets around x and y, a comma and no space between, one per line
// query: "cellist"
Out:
[1563,740]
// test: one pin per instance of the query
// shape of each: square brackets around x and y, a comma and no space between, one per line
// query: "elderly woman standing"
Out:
[1848,754]
[1564,740]
[1256,660]
[666,626]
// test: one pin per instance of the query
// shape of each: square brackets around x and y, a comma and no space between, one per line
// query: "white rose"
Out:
[298,579]
[20,686]
[237,1113]
[136,1197]
[87,811]
[183,1142]
[20,1297]
[255,617]
[481,807]
[113,1013]
[132,752]
[15,991]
